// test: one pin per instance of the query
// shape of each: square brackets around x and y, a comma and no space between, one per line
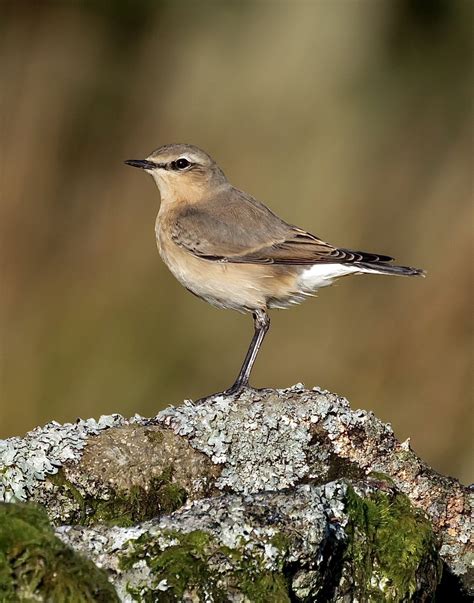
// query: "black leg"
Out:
[261,322]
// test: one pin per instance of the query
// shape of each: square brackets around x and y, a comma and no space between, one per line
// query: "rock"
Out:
[328,543]
[273,494]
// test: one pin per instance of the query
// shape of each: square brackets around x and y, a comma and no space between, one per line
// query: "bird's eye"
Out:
[182,163]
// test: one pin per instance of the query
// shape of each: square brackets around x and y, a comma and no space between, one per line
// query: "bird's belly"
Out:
[243,287]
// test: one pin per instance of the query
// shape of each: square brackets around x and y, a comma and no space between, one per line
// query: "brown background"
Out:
[349,118]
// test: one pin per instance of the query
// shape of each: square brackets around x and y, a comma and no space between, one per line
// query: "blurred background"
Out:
[352,119]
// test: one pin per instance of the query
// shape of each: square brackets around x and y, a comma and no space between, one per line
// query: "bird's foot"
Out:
[234,391]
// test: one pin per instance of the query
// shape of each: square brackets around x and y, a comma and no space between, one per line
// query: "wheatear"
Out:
[232,251]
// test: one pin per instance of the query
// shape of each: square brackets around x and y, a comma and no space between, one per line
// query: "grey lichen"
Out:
[271,431]
[25,462]
[273,546]
[113,471]
[124,472]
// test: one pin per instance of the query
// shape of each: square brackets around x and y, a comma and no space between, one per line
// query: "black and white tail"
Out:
[385,268]
[376,263]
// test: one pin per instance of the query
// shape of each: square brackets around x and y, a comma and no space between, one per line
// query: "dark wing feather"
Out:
[302,248]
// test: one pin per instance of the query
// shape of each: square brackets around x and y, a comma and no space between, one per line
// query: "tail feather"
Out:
[383,268]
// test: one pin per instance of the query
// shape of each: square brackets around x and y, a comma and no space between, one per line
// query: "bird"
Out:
[231,250]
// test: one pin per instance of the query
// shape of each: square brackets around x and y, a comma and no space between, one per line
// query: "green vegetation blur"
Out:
[349,118]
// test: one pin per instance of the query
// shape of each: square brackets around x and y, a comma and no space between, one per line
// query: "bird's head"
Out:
[181,171]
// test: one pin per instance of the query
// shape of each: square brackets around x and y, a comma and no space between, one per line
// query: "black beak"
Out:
[143,164]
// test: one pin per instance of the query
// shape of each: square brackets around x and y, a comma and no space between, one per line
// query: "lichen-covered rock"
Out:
[25,462]
[311,543]
[113,471]
[273,439]
[123,472]
[36,566]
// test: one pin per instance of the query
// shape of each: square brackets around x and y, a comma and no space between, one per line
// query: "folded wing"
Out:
[236,228]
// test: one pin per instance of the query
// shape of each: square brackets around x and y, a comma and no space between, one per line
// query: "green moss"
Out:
[125,507]
[36,565]
[263,586]
[191,564]
[391,546]
[282,542]
[183,565]
[259,584]
[60,481]
[138,504]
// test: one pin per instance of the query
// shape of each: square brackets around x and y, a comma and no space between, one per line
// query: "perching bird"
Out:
[232,251]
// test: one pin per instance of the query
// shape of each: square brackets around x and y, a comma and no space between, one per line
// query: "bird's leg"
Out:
[261,321]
